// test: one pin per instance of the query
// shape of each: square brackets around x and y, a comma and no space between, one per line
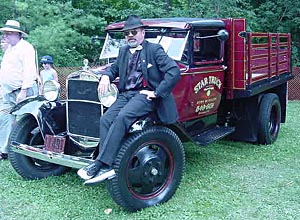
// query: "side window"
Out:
[207,48]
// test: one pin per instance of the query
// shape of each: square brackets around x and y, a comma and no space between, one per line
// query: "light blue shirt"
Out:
[47,75]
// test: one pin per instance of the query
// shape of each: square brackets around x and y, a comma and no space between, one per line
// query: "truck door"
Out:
[206,74]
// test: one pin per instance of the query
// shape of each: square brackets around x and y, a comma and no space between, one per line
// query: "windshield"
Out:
[173,42]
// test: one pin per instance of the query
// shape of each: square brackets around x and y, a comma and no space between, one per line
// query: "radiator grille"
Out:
[83,108]
[83,90]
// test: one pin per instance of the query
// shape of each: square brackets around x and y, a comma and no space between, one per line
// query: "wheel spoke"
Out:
[147,188]
[142,153]
[164,163]
[162,155]
[134,175]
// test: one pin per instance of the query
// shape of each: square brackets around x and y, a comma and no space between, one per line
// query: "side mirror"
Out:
[223,35]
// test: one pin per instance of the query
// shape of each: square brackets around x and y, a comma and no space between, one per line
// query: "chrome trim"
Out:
[85,75]
[89,76]
[110,96]
[82,136]
[81,100]
[78,135]
[78,77]
[48,88]
[49,156]
[85,142]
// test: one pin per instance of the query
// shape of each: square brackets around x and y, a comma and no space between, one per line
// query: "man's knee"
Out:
[123,115]
[105,121]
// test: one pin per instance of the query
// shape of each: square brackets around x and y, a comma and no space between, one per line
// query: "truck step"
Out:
[212,135]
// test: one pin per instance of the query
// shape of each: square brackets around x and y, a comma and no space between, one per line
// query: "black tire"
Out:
[269,119]
[26,131]
[149,168]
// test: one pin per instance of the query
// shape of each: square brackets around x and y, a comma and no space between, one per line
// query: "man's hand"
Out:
[103,85]
[22,95]
[150,94]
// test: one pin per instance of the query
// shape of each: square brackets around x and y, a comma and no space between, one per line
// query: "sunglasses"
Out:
[133,32]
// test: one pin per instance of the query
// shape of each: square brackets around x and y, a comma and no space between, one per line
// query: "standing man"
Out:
[18,75]
[147,76]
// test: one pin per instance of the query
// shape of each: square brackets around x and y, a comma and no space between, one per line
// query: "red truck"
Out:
[233,84]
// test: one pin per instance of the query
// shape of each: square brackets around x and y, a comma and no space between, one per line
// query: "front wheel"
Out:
[149,169]
[269,119]
[26,131]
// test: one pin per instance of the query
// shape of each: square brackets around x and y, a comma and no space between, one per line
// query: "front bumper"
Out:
[49,156]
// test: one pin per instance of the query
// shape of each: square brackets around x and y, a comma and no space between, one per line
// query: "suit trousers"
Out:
[116,121]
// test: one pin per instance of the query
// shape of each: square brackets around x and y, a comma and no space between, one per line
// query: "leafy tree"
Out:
[280,16]
[59,29]
[7,11]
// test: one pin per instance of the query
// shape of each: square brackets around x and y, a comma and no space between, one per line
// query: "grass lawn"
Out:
[226,180]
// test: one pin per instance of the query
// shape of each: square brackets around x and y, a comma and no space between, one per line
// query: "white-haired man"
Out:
[147,76]
[18,75]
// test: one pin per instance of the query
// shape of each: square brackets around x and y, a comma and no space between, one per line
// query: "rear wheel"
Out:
[149,168]
[26,131]
[269,119]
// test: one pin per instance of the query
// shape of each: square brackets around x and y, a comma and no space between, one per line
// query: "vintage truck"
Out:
[233,84]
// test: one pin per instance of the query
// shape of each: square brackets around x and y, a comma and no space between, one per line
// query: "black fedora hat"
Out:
[132,22]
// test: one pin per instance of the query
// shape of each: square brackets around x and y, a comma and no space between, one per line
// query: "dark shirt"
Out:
[134,79]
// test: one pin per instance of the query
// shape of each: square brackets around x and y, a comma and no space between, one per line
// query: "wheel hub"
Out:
[154,171]
[151,169]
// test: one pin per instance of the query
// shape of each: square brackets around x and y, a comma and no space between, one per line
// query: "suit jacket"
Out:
[160,72]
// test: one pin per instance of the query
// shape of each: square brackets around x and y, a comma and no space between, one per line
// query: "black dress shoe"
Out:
[3,156]
[104,173]
[89,171]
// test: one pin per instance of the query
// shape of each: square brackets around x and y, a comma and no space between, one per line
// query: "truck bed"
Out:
[257,61]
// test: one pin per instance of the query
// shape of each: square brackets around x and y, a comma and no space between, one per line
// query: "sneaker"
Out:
[105,173]
[89,171]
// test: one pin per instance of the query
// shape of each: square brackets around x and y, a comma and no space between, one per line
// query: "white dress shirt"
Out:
[18,67]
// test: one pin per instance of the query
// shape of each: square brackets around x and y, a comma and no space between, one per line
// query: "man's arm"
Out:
[29,71]
[110,74]
[103,85]
[29,66]
[170,70]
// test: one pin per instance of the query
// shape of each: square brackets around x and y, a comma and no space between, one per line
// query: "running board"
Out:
[212,135]
[49,156]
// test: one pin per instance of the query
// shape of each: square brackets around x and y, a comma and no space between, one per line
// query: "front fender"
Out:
[29,106]
[50,116]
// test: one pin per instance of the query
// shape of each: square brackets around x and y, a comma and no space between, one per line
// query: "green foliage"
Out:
[60,30]
[7,10]
[63,28]
[281,16]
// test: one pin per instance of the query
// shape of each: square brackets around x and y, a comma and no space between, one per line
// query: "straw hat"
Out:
[13,26]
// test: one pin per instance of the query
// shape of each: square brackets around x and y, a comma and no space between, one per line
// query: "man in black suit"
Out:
[147,76]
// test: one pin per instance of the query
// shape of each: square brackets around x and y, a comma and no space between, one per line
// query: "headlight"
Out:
[51,90]
[110,97]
